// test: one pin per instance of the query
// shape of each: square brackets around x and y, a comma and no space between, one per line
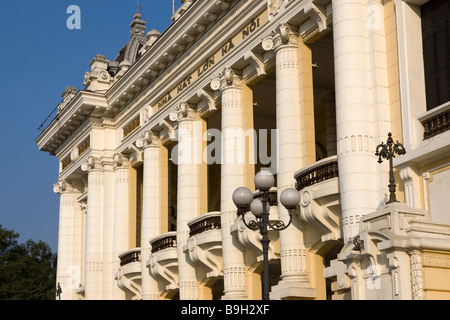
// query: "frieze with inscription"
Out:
[228,47]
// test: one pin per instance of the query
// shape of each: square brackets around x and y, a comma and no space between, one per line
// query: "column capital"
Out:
[150,139]
[284,35]
[226,79]
[186,111]
[62,187]
[120,161]
[91,164]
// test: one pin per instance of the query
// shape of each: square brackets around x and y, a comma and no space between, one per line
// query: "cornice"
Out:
[196,36]
[156,67]
[199,90]
[80,108]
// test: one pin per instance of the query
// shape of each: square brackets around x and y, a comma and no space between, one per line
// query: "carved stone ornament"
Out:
[227,78]
[284,35]
[274,6]
[148,139]
[186,112]
[60,187]
[120,161]
[91,164]
[317,12]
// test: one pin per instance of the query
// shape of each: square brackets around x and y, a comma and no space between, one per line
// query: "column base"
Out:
[292,291]
[235,296]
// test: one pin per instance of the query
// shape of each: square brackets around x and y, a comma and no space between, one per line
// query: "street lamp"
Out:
[387,151]
[260,207]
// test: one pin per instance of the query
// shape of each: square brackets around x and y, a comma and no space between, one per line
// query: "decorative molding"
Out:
[227,79]
[356,143]
[163,262]
[320,208]
[210,102]
[60,187]
[435,260]
[257,60]
[293,261]
[234,279]
[120,161]
[168,132]
[186,112]
[150,139]
[416,275]
[284,36]
[91,163]
[317,11]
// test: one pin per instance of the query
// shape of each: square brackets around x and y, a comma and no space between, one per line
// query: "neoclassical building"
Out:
[153,147]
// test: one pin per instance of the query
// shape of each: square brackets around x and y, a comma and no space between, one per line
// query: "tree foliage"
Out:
[27,271]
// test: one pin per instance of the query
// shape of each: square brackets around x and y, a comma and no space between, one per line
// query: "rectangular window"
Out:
[436,51]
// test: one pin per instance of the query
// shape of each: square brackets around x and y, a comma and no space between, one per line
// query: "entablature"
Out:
[229,45]
[180,65]
[84,105]
[178,40]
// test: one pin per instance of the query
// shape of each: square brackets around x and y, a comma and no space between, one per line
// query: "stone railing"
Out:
[130,256]
[317,172]
[206,222]
[436,121]
[167,240]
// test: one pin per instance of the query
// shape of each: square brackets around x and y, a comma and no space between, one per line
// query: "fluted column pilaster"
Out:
[94,229]
[68,267]
[284,42]
[152,206]
[233,171]
[121,239]
[355,114]
[191,190]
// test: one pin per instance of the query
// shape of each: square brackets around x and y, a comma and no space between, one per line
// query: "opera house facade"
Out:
[153,147]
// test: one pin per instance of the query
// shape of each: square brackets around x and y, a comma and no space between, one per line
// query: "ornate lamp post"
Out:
[388,151]
[243,199]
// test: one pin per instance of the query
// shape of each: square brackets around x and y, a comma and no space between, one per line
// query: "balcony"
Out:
[163,261]
[436,121]
[129,275]
[320,199]
[252,239]
[204,245]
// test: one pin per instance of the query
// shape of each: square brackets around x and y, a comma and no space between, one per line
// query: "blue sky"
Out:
[39,58]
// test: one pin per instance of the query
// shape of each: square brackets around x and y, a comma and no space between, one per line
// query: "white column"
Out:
[190,185]
[121,234]
[94,229]
[152,208]
[292,248]
[330,120]
[232,177]
[108,228]
[355,114]
[68,269]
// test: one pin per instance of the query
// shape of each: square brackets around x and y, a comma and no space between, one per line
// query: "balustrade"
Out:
[436,124]
[320,171]
[168,241]
[206,223]
[130,257]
